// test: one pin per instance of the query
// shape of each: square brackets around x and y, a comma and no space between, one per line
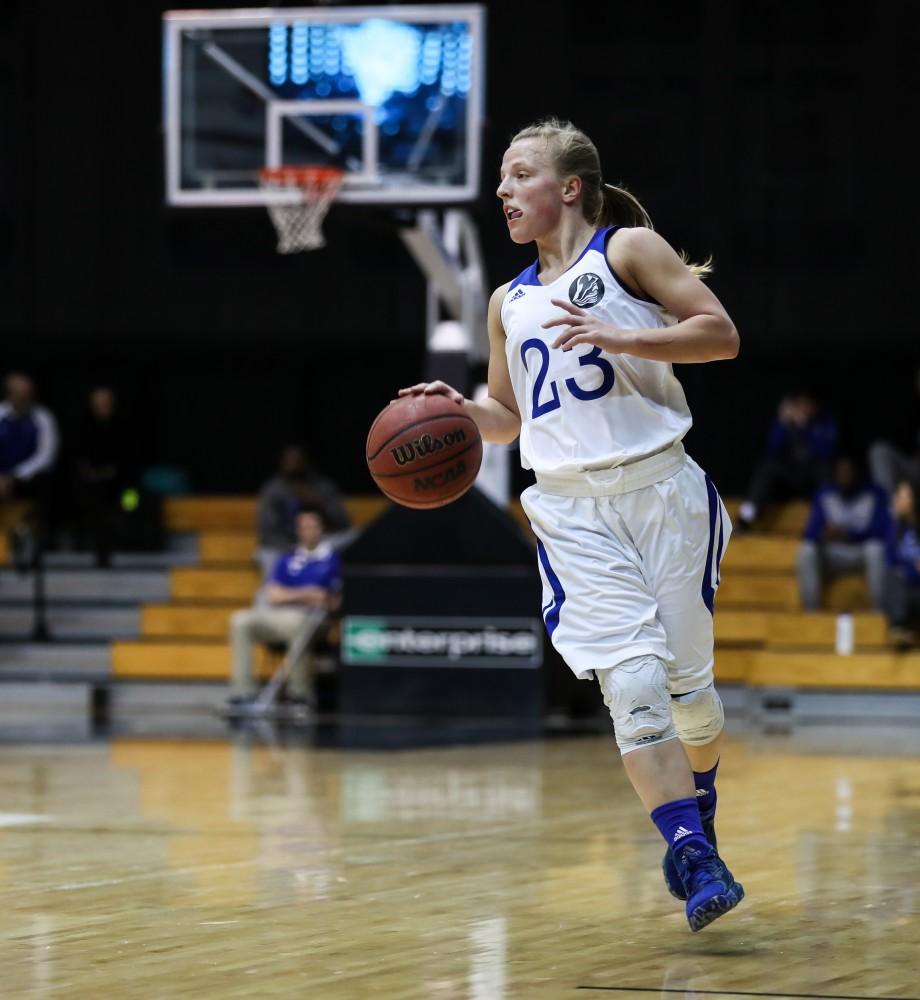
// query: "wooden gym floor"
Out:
[166,868]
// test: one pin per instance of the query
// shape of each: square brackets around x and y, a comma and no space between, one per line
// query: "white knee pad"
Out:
[636,693]
[698,716]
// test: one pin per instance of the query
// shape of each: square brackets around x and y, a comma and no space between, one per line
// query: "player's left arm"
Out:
[703,331]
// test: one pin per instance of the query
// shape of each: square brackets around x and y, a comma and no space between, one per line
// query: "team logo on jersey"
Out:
[586,290]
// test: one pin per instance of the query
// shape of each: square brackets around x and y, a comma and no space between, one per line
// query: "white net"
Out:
[299,221]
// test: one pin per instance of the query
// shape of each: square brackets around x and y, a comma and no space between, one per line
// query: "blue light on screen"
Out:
[299,71]
[377,58]
[384,57]
[277,54]
[431,58]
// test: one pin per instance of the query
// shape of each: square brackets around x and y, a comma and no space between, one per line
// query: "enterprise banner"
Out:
[404,641]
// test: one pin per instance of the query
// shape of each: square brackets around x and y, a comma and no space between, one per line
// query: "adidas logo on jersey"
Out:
[519,294]
[681,832]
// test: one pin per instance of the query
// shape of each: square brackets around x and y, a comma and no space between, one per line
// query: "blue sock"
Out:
[680,824]
[706,797]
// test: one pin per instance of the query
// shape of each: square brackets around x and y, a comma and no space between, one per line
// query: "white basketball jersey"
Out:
[584,409]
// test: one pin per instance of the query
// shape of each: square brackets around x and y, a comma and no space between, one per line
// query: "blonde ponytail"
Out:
[620,208]
[574,154]
[700,270]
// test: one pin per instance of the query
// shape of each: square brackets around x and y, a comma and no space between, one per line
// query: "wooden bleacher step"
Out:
[238,514]
[818,630]
[210,659]
[859,671]
[732,665]
[760,591]
[878,671]
[787,519]
[214,584]
[210,513]
[802,630]
[187,659]
[740,628]
[176,621]
[218,548]
[760,554]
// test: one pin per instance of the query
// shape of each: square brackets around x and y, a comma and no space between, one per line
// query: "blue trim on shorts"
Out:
[721,542]
[551,616]
[708,591]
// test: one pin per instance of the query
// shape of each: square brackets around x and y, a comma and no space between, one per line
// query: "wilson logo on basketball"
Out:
[586,290]
[423,483]
[425,445]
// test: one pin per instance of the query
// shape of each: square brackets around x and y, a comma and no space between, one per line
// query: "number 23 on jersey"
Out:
[592,359]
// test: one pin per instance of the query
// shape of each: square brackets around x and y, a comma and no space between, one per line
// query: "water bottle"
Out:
[844,634]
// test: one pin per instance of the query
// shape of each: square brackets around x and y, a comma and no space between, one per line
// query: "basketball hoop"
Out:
[299,220]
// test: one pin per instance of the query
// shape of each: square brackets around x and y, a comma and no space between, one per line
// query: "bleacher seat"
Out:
[762,635]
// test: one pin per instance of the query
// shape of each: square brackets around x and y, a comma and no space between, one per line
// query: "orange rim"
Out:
[305,177]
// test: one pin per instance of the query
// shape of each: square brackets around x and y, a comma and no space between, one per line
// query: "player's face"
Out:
[530,190]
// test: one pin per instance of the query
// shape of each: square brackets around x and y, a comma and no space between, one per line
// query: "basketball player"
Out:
[630,530]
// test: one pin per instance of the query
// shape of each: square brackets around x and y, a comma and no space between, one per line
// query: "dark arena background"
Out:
[439,809]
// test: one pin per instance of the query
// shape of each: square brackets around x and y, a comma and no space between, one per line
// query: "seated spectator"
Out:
[890,464]
[303,587]
[847,531]
[102,465]
[800,453]
[902,598]
[28,446]
[295,483]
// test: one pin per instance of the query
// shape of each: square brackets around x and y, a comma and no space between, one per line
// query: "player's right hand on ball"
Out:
[432,389]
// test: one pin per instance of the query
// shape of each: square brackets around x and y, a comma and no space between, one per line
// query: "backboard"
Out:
[391,95]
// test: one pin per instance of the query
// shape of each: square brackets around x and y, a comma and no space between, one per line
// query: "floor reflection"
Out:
[487,871]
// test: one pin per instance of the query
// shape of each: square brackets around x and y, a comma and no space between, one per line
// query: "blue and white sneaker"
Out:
[668,866]
[710,887]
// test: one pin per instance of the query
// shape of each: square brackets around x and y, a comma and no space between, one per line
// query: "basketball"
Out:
[423,451]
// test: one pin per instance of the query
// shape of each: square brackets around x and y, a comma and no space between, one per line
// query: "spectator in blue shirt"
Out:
[302,589]
[295,484]
[28,440]
[800,454]
[902,601]
[847,531]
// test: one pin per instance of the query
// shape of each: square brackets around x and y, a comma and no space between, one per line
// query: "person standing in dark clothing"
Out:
[102,459]
[801,448]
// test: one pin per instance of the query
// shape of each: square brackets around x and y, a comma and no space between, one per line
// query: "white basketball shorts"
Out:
[629,559]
